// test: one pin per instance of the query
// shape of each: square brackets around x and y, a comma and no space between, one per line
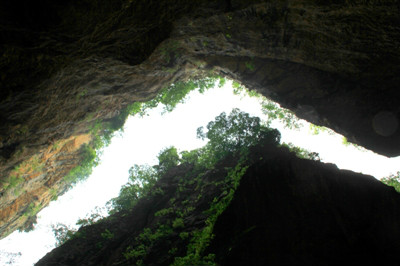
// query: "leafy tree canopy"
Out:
[141,179]
[236,131]
[167,158]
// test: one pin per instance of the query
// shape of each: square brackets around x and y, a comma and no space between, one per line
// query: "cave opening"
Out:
[160,129]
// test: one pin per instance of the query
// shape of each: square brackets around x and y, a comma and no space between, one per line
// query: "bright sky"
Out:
[140,143]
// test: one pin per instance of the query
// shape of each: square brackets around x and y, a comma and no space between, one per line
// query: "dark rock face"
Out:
[286,211]
[67,65]
[293,212]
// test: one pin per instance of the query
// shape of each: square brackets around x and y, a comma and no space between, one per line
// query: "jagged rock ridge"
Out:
[286,211]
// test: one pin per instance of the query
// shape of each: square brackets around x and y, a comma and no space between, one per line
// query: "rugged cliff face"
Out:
[285,211]
[68,65]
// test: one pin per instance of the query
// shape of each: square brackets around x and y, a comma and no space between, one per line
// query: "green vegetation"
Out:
[164,212]
[63,233]
[178,223]
[142,179]
[202,238]
[23,130]
[315,130]
[230,139]
[170,97]
[56,145]
[90,158]
[34,165]
[81,94]
[346,143]
[250,65]
[167,159]
[271,109]
[169,50]
[53,193]
[228,135]
[301,153]
[107,234]
[145,241]
[176,93]
[16,176]
[11,182]
[393,180]
[233,133]
[92,218]
[184,235]
[32,209]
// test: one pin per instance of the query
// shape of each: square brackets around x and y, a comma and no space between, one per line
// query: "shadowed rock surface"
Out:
[67,65]
[286,211]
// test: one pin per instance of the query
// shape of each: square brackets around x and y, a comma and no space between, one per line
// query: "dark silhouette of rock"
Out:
[286,211]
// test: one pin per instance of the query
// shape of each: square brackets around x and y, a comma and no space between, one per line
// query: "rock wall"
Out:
[286,211]
[68,65]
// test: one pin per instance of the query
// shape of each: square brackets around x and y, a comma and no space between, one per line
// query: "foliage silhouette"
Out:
[392,180]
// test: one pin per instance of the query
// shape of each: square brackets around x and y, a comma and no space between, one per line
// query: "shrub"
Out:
[393,181]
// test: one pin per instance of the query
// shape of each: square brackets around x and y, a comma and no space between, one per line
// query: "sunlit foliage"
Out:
[302,153]
[238,130]
[176,93]
[393,180]
[141,179]
[269,108]
[167,158]
[316,130]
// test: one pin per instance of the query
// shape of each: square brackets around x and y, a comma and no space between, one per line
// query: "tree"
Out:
[227,134]
[62,233]
[141,179]
[167,158]
[191,156]
[236,131]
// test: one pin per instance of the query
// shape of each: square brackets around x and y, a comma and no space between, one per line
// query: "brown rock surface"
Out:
[66,65]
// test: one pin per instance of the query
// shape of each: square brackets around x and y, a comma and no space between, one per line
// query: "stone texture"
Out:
[66,65]
[286,211]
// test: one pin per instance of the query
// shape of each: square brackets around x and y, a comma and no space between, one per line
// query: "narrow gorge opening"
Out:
[175,125]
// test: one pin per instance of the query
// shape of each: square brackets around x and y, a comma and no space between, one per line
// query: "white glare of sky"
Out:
[140,143]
